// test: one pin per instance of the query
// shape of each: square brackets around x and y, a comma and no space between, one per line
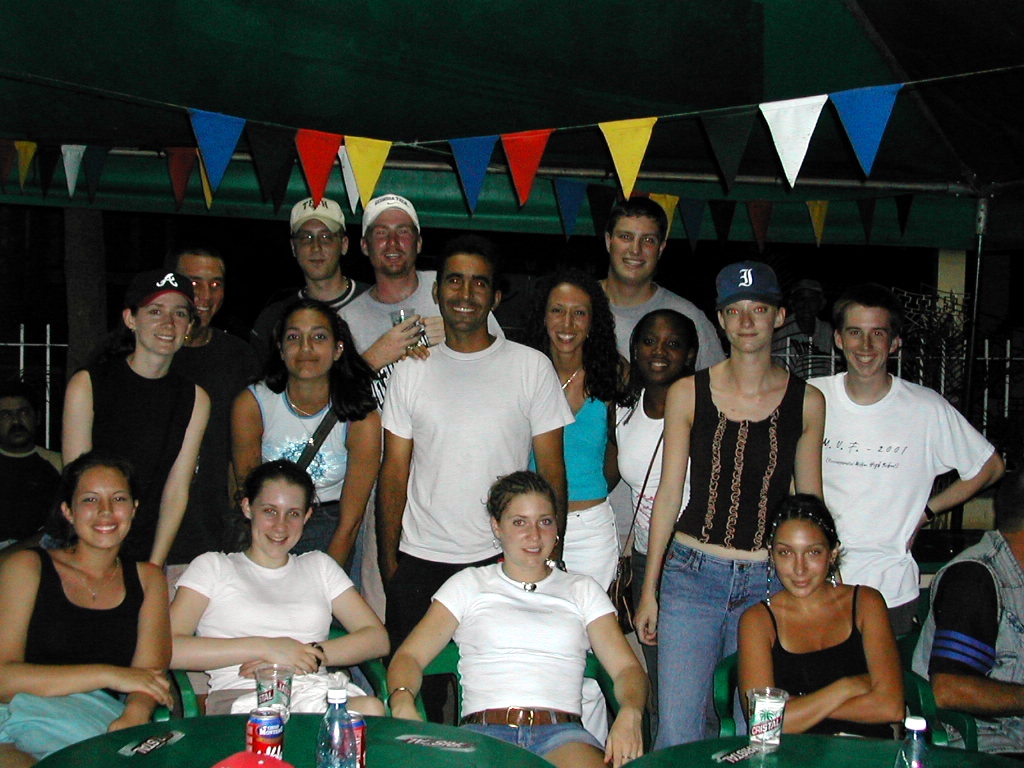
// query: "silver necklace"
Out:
[570,379]
[80,575]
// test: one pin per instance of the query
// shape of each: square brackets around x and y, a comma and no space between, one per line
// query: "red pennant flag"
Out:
[760,212]
[180,163]
[317,153]
[524,151]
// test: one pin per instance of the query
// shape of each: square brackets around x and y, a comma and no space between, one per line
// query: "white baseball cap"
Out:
[378,205]
[328,211]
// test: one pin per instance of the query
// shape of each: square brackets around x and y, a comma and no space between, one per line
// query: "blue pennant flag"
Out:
[472,157]
[569,194]
[217,136]
[865,113]
[692,212]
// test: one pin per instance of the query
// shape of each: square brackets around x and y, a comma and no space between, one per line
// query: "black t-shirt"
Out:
[966,621]
[30,487]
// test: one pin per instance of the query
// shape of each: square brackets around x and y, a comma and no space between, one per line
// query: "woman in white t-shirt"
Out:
[234,612]
[523,629]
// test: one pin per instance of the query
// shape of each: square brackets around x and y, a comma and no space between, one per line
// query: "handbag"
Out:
[621,589]
[236,535]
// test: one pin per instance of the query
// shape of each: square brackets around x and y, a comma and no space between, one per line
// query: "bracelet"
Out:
[929,515]
[319,648]
[396,690]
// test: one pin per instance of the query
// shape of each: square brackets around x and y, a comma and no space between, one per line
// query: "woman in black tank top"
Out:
[829,645]
[85,637]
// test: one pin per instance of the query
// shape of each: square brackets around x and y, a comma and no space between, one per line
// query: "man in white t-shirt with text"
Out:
[886,440]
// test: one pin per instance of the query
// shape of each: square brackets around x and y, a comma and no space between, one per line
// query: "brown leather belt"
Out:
[516,717]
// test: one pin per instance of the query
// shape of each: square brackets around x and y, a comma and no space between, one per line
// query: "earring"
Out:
[768,584]
[832,575]
[495,543]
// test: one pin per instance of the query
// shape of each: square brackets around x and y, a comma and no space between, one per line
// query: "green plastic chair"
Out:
[447,663]
[725,682]
[921,700]
[373,669]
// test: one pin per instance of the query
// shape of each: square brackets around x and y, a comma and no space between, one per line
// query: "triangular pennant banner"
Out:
[627,141]
[692,212]
[864,113]
[26,151]
[8,155]
[867,216]
[180,162]
[601,199]
[524,151]
[722,212]
[818,210]
[48,156]
[204,178]
[569,195]
[95,159]
[472,156]
[791,123]
[349,176]
[72,154]
[217,136]
[669,203]
[272,149]
[317,152]
[760,212]
[368,157]
[903,204]
[728,134]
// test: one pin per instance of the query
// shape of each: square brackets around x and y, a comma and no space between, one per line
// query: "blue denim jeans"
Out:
[539,739]
[701,600]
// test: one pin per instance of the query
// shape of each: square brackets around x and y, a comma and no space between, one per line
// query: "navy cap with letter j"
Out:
[751,280]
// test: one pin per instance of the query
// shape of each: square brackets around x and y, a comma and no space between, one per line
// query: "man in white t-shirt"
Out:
[636,236]
[392,241]
[454,423]
[886,440]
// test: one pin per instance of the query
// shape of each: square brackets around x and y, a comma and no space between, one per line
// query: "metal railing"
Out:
[41,362]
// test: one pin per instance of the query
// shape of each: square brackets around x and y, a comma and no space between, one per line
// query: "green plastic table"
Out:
[807,751]
[208,740]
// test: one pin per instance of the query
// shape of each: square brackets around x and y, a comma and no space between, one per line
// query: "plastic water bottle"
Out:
[337,745]
[914,750]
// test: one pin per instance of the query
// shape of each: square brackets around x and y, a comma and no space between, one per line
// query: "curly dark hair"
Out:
[351,376]
[684,327]
[600,357]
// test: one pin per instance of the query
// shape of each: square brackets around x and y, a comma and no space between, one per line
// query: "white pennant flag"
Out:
[791,123]
[73,154]
[351,188]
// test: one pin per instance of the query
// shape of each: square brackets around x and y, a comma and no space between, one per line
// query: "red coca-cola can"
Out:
[264,732]
[359,726]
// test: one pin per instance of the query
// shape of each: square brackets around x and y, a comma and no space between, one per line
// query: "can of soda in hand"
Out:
[264,732]
[766,709]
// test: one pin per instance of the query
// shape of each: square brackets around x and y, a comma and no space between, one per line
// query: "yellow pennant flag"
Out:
[627,141]
[669,203]
[367,157]
[204,176]
[26,151]
[818,210]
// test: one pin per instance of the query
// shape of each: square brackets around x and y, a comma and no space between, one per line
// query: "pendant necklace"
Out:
[571,378]
[81,578]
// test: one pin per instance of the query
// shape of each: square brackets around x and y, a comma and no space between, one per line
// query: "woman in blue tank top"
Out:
[829,645]
[85,638]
